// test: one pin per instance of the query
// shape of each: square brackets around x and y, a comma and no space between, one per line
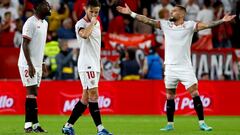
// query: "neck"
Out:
[86,18]
[179,22]
[39,16]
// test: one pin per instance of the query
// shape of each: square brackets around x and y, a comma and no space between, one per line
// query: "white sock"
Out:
[100,127]
[170,123]
[68,125]
[27,125]
[35,125]
[201,122]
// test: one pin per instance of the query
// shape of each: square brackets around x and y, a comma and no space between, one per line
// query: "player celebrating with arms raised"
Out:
[30,61]
[178,67]
[89,36]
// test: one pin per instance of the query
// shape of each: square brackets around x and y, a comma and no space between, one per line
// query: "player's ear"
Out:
[85,9]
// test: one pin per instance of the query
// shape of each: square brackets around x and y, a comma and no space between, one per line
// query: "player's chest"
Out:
[40,28]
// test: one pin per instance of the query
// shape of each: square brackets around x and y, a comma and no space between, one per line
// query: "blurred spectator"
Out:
[205,76]
[28,13]
[117,25]
[50,53]
[192,10]
[142,62]
[18,34]
[28,5]
[221,33]
[142,28]
[206,16]
[8,25]
[127,21]
[130,67]
[78,10]
[108,12]
[155,66]
[57,16]
[7,7]
[164,4]
[66,31]
[65,62]
[54,3]
[133,4]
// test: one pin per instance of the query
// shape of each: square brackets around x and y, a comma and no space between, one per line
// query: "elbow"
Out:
[85,36]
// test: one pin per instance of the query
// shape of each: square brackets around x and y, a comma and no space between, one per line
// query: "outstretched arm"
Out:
[226,18]
[126,10]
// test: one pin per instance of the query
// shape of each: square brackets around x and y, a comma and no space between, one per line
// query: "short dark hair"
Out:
[36,3]
[207,3]
[93,3]
[181,8]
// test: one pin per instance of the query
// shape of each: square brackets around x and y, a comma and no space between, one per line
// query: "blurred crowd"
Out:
[134,64]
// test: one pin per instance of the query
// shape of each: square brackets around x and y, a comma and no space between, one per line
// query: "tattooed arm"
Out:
[202,26]
[141,18]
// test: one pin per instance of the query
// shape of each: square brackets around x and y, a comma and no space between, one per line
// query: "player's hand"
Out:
[228,17]
[31,71]
[94,20]
[124,10]
[45,70]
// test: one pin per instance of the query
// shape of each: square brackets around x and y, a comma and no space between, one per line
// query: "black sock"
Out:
[198,107]
[34,108]
[28,110]
[95,113]
[170,110]
[78,110]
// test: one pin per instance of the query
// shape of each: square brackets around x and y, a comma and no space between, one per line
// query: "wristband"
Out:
[133,15]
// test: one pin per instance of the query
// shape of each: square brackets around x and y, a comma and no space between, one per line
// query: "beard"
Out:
[172,19]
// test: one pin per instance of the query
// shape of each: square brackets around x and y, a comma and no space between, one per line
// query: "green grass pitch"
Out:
[126,125]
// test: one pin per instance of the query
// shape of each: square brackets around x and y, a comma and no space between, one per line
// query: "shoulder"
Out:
[81,22]
[30,21]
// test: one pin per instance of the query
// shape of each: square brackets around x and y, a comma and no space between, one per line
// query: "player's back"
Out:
[35,30]
[178,41]
[90,48]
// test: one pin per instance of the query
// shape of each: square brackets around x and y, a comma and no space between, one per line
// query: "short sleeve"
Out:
[193,25]
[163,24]
[79,25]
[28,30]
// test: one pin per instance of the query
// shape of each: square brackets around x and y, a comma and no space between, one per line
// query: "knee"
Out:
[194,93]
[84,99]
[171,94]
[93,98]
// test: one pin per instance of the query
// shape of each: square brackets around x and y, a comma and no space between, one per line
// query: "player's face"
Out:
[176,14]
[45,9]
[92,12]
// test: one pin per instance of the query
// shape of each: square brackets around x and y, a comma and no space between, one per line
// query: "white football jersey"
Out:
[90,48]
[178,40]
[34,29]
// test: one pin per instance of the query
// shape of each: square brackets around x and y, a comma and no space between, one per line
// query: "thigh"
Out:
[171,82]
[89,79]
[188,78]
[27,80]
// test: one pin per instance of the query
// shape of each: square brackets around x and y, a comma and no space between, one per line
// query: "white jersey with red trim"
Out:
[90,48]
[34,29]
[178,40]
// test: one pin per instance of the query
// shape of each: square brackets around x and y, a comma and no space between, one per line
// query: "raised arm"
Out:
[126,10]
[85,33]
[226,18]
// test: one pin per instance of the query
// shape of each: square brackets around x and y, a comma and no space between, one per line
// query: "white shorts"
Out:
[27,80]
[89,79]
[174,74]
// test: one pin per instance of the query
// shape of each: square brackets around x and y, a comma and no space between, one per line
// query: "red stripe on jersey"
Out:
[26,37]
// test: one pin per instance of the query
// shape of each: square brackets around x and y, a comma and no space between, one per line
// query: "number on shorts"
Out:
[91,74]
[26,73]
